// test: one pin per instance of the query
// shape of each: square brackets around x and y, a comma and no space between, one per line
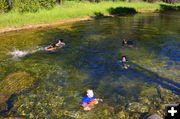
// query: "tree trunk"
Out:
[59,2]
[10,3]
[170,1]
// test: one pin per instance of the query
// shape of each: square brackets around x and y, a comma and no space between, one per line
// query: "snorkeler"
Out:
[56,45]
[124,62]
[89,101]
[128,43]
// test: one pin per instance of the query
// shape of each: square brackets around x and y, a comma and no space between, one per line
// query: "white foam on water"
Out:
[20,53]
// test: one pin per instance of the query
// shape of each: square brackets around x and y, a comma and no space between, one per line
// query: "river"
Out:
[42,84]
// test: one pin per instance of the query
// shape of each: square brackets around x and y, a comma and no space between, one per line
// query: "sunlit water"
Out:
[88,61]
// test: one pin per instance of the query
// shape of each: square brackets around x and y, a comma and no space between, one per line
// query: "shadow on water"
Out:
[153,77]
[121,11]
[99,15]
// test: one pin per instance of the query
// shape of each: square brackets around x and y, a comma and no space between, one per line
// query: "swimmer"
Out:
[89,101]
[124,62]
[54,46]
[60,43]
[128,43]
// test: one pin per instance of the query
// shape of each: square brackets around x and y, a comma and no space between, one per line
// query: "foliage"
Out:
[167,7]
[46,4]
[4,7]
[170,1]
[122,11]
[72,10]
[26,5]
[167,1]
[33,5]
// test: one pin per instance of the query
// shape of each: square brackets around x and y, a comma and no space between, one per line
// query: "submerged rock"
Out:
[137,107]
[15,83]
[168,96]
[123,115]
[147,115]
[145,100]
[3,99]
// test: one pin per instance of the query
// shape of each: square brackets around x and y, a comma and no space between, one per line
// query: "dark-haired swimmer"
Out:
[128,43]
[56,45]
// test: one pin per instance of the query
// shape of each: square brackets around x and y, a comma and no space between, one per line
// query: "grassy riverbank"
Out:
[74,10]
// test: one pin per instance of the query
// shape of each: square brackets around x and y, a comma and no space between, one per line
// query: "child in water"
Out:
[124,62]
[89,101]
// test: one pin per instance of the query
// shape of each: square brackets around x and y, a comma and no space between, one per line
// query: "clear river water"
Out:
[42,84]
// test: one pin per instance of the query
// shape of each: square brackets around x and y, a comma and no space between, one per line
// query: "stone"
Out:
[3,99]
[15,83]
[154,116]
[121,115]
[137,107]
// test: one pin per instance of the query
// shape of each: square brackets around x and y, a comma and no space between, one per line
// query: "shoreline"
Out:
[44,25]
[63,22]
[71,12]
[60,22]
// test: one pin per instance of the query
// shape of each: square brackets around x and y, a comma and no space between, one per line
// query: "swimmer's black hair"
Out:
[124,56]
[61,39]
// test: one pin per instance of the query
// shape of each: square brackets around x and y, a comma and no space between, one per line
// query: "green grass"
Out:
[70,10]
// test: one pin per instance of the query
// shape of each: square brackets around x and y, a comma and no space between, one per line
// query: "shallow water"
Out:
[88,61]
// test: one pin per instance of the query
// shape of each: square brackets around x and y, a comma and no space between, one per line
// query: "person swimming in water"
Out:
[56,45]
[124,62]
[128,43]
[89,101]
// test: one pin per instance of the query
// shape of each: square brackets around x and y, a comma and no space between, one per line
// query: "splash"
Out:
[20,53]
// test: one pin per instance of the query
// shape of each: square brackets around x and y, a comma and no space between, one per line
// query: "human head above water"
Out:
[124,40]
[124,59]
[61,40]
[90,93]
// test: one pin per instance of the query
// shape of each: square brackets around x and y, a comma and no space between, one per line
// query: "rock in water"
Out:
[137,107]
[3,99]
[15,83]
